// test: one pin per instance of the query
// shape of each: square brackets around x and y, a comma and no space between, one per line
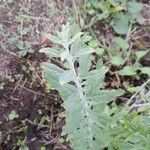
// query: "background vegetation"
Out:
[91,88]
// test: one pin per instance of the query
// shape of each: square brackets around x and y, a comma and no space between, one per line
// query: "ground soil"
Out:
[23,90]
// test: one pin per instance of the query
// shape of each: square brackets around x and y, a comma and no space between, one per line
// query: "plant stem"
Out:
[129,32]
[75,11]
[139,105]
[134,95]
[82,97]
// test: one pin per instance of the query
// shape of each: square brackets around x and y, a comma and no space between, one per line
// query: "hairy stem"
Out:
[82,97]
[140,105]
[134,95]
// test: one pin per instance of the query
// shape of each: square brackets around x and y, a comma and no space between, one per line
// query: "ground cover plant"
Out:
[74,75]
[90,122]
[121,13]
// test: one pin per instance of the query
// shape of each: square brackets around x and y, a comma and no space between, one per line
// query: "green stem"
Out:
[82,97]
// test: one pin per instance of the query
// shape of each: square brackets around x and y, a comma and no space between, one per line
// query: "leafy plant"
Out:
[121,50]
[13,115]
[91,42]
[2,85]
[42,148]
[24,48]
[121,13]
[42,121]
[21,145]
[90,123]
[10,1]
[87,117]
[132,70]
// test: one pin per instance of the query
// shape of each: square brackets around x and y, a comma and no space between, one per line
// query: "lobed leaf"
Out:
[123,44]
[54,39]
[79,49]
[104,96]
[50,52]
[66,77]
[84,65]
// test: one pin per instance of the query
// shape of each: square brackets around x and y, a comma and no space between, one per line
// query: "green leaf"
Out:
[74,29]
[66,77]
[93,43]
[94,79]
[103,15]
[64,55]
[123,44]
[71,102]
[43,148]
[92,74]
[134,8]
[86,38]
[128,71]
[55,70]
[22,53]
[65,35]
[78,49]
[13,115]
[99,64]
[51,52]
[52,74]
[84,65]
[94,4]
[10,1]
[104,96]
[53,38]
[117,60]
[120,23]
[78,35]
[114,2]
[140,19]
[145,70]
[20,44]
[99,51]
[129,146]
[140,54]
[24,48]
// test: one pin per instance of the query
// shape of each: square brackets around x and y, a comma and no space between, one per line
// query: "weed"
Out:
[13,115]
[10,1]
[121,13]
[90,123]
[24,48]
[21,145]
[132,70]
[2,85]
[42,148]
[85,95]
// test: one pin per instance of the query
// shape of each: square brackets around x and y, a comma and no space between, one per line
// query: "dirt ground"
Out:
[22,88]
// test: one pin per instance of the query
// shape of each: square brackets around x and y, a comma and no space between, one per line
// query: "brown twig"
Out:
[134,95]
[15,88]
[22,85]
[38,93]
[128,54]
[4,49]
[34,92]
[51,120]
